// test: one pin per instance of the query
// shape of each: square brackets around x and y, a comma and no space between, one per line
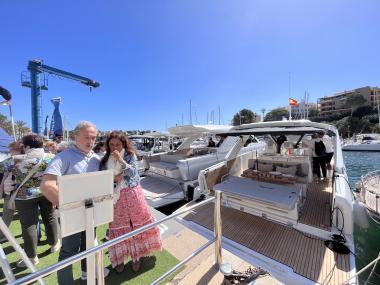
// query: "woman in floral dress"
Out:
[130,208]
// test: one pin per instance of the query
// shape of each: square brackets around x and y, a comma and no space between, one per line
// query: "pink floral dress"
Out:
[131,212]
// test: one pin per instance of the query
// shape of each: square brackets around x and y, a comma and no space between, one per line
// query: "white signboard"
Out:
[74,190]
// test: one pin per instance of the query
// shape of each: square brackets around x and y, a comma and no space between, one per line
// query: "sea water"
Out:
[367,242]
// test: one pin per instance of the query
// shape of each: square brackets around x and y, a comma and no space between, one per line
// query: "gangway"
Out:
[36,84]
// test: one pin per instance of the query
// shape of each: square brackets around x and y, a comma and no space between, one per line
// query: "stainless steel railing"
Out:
[98,250]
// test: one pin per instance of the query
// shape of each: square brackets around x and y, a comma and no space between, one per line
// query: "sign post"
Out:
[86,201]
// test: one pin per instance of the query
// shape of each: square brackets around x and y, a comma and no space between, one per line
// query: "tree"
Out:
[244,116]
[313,110]
[21,129]
[277,114]
[353,101]
[362,111]
[5,124]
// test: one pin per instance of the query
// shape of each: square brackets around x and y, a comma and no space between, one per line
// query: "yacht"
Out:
[147,144]
[173,176]
[275,214]
[368,192]
[363,142]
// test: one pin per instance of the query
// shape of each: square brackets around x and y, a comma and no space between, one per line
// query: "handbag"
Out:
[11,203]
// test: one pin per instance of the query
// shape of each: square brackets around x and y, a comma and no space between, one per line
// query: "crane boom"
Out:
[35,67]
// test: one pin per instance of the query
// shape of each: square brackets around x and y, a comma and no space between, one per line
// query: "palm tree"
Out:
[5,124]
[21,129]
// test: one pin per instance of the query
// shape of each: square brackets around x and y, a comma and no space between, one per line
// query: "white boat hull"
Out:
[362,147]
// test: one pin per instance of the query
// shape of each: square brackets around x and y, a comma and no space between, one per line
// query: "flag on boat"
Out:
[293,102]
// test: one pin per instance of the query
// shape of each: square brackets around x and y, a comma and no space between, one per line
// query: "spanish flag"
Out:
[293,102]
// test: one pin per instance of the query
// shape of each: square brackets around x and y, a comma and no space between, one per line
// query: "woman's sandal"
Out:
[136,266]
[119,268]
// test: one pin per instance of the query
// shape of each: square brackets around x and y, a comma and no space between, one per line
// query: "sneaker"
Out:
[55,247]
[84,274]
[21,263]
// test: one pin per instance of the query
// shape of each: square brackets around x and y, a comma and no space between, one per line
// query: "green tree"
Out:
[21,129]
[353,101]
[313,110]
[244,116]
[5,124]
[362,111]
[277,114]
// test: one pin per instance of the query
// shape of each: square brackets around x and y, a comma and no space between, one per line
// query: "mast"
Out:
[377,100]
[290,106]
[191,118]
[219,113]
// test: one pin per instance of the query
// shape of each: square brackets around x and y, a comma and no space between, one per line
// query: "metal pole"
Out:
[35,99]
[18,249]
[7,270]
[13,124]
[90,241]
[100,266]
[70,260]
[218,229]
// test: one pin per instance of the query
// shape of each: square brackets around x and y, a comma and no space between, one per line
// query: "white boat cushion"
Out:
[287,170]
[265,167]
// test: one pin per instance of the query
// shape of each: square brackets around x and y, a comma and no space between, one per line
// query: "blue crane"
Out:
[35,68]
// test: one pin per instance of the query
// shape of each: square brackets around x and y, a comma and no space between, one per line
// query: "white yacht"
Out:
[148,144]
[363,142]
[173,176]
[275,214]
[368,192]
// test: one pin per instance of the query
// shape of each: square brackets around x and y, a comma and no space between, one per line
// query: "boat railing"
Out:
[98,250]
[371,178]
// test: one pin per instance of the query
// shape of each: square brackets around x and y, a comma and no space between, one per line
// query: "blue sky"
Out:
[152,57]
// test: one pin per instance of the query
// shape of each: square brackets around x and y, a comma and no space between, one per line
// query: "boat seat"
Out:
[165,168]
[189,168]
[274,201]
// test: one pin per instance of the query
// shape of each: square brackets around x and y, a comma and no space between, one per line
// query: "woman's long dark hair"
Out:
[127,145]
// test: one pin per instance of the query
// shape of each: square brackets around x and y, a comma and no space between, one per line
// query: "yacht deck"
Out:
[316,211]
[306,255]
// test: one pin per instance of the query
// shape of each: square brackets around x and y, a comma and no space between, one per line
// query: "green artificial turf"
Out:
[151,267]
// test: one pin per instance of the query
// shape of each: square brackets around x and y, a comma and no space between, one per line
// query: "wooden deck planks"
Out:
[307,256]
[317,208]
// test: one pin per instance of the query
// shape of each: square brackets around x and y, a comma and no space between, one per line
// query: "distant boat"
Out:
[173,176]
[363,142]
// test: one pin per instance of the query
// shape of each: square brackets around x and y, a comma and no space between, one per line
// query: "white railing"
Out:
[98,250]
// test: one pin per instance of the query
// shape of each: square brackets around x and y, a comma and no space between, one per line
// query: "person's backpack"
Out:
[320,148]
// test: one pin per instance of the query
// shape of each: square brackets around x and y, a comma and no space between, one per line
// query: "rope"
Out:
[372,271]
[362,270]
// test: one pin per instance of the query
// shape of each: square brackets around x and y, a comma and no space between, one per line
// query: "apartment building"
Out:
[328,105]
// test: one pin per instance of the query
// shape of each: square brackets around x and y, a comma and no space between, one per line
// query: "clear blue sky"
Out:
[152,57]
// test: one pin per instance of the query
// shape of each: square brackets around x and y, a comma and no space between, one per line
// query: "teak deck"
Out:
[306,255]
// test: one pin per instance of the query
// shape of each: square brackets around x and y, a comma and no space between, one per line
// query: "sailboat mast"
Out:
[377,100]
[191,118]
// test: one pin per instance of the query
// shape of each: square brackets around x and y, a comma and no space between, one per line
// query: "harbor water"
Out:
[367,242]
